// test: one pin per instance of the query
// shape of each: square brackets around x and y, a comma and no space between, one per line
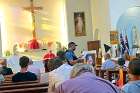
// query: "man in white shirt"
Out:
[33,69]
[58,76]
[13,62]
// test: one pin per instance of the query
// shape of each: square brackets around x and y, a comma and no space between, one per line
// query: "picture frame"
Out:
[79,23]
[114,37]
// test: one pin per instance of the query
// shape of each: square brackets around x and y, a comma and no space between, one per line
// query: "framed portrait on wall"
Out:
[114,37]
[79,22]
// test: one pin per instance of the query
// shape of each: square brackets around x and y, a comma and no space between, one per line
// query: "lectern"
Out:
[95,45]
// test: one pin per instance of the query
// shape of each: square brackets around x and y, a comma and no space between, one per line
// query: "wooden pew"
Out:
[97,72]
[29,85]
[101,73]
[26,87]
[27,90]
[108,74]
[8,78]
[116,72]
[17,83]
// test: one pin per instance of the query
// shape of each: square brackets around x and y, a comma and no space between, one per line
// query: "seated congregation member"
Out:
[56,62]
[46,58]
[89,59]
[83,80]
[70,55]
[5,69]
[24,75]
[59,75]
[13,62]
[108,64]
[33,69]
[121,63]
[133,86]
[53,64]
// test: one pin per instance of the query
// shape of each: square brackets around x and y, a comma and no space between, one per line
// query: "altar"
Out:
[13,63]
[35,55]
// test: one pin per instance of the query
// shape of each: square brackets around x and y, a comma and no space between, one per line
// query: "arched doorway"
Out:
[129,25]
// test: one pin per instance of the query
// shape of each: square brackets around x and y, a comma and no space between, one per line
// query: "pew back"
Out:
[24,87]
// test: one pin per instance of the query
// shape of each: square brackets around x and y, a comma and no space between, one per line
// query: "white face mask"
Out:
[0,65]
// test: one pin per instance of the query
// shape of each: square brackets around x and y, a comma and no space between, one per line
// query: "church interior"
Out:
[56,36]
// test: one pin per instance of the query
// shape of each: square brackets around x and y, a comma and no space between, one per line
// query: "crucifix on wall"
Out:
[33,44]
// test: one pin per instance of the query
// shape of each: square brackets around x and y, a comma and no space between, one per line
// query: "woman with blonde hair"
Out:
[84,80]
[81,68]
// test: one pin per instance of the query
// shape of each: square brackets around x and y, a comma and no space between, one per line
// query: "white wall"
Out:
[101,20]
[50,21]
[79,6]
[118,7]
[0,39]
[16,23]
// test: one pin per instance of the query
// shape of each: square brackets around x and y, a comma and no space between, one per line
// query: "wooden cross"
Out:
[32,8]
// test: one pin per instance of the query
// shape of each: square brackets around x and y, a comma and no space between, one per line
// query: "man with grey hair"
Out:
[83,80]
